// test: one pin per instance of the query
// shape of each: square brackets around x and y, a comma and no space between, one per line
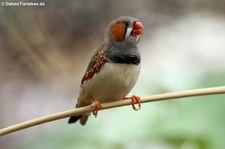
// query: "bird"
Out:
[113,69]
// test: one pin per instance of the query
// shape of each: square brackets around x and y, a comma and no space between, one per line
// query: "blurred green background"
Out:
[44,52]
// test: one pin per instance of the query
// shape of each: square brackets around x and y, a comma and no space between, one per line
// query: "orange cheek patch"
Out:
[118,31]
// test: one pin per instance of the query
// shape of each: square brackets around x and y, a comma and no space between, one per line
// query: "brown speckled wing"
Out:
[95,65]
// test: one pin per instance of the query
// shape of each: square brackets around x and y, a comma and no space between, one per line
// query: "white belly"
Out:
[113,82]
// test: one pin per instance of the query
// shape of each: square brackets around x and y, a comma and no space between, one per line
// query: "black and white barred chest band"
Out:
[125,52]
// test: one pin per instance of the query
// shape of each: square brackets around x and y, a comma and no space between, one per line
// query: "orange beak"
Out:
[138,29]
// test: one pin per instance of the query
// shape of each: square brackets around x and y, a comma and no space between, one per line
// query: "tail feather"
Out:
[73,119]
[82,118]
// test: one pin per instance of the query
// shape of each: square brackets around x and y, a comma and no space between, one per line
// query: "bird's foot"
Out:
[97,107]
[134,99]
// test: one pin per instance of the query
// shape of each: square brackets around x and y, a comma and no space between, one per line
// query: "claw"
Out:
[138,100]
[133,99]
[98,106]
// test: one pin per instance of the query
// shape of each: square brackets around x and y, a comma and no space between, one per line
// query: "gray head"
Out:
[123,28]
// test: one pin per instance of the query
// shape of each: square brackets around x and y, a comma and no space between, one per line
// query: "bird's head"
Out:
[123,28]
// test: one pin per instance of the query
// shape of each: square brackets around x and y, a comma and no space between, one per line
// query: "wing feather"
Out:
[95,64]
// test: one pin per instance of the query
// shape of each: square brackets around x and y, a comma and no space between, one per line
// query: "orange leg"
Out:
[97,105]
[133,99]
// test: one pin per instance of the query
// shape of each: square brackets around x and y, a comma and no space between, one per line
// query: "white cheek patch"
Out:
[128,33]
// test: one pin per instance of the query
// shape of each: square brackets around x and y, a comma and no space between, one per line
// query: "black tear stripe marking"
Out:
[126,27]
[125,52]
